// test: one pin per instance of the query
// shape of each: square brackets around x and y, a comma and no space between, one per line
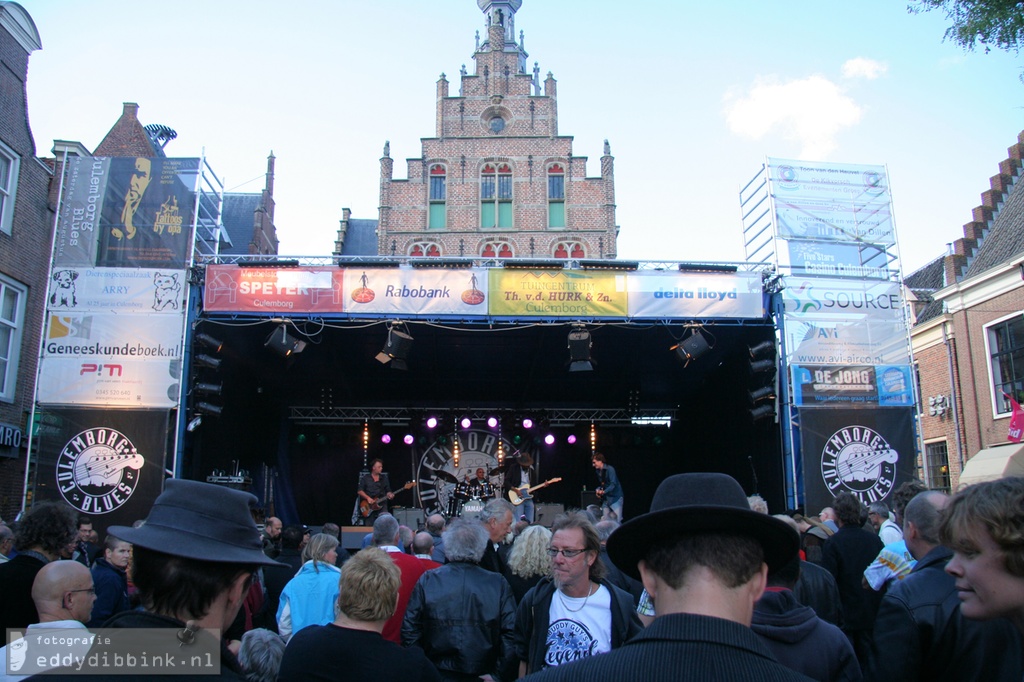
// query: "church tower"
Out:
[497,180]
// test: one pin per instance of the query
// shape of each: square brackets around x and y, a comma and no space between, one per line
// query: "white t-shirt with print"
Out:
[577,630]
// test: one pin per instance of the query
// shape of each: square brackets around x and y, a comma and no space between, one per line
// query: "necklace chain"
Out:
[590,591]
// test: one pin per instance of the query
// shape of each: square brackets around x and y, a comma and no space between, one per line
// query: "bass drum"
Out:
[472,508]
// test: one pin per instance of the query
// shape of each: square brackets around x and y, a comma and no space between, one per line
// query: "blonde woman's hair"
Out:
[317,547]
[529,555]
[368,590]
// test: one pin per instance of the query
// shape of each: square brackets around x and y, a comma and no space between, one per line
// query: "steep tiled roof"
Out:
[1005,237]
[237,215]
[360,238]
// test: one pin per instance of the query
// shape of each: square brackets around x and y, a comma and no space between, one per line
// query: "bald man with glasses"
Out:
[575,613]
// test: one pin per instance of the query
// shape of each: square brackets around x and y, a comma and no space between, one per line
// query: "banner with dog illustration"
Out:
[127,212]
[106,464]
[118,290]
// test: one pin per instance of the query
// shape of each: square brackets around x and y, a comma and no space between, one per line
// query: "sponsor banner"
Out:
[852,384]
[117,290]
[832,341]
[116,381]
[868,452]
[108,336]
[230,288]
[148,211]
[849,298]
[830,259]
[658,294]
[423,291]
[557,293]
[85,185]
[108,464]
[831,202]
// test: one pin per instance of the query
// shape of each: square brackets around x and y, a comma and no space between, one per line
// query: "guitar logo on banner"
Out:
[98,470]
[859,460]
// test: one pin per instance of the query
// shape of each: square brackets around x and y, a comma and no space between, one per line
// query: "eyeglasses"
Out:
[90,590]
[567,553]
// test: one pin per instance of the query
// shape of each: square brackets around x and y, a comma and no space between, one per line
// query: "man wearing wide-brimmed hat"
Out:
[193,560]
[704,557]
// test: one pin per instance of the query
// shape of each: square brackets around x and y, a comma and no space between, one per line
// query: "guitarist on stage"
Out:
[375,490]
[608,489]
[518,476]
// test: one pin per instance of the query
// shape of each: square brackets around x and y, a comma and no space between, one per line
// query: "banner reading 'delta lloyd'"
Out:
[868,452]
[108,464]
[481,292]
[126,212]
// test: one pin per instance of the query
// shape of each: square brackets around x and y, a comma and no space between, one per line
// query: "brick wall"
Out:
[24,255]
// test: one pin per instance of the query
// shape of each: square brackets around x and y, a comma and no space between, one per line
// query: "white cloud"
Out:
[811,112]
[860,67]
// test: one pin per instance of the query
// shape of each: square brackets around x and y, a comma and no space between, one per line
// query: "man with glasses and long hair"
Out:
[575,613]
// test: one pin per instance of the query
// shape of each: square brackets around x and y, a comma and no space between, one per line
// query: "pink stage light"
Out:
[549,439]
[466,422]
[386,438]
[571,440]
[432,422]
[408,439]
[527,423]
[492,422]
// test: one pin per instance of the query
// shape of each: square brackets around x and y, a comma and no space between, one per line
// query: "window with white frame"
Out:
[12,322]
[496,195]
[9,163]
[1006,348]
[438,218]
[556,195]
[936,458]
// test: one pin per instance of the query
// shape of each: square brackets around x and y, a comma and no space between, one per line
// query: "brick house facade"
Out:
[497,180]
[26,220]
[968,331]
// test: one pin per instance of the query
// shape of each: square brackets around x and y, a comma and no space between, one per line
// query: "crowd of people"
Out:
[706,585]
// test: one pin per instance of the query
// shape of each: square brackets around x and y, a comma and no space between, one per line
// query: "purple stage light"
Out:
[466,422]
[385,439]
[571,440]
[492,422]
[408,439]
[549,439]
[527,423]
[432,423]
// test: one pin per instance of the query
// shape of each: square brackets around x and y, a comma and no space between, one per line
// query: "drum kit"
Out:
[468,498]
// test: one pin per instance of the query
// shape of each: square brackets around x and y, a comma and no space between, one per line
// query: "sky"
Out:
[692,98]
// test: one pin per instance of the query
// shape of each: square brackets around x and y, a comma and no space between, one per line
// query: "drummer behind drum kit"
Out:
[467,501]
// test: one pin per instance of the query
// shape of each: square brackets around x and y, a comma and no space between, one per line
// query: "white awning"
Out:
[992,463]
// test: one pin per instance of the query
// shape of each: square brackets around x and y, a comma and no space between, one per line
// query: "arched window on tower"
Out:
[496,195]
[556,195]
[438,218]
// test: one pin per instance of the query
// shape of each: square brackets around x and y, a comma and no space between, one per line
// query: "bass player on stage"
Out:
[375,490]
[519,476]
[609,489]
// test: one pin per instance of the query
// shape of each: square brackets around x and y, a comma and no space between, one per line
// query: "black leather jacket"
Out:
[920,634]
[463,617]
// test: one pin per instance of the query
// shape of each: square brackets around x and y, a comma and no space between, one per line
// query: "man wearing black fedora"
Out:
[704,557]
[194,559]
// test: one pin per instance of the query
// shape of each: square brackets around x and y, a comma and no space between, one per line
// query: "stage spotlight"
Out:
[210,342]
[766,366]
[763,393]
[283,343]
[549,439]
[396,348]
[763,349]
[579,350]
[692,347]
[571,440]
[527,423]
[208,361]
[431,422]
[208,388]
[207,408]
[492,422]
[386,438]
[762,412]
[408,440]
[466,422]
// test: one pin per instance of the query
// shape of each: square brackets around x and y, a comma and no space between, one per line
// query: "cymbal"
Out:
[445,476]
[500,469]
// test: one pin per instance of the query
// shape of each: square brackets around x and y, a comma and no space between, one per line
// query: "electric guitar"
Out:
[520,495]
[366,508]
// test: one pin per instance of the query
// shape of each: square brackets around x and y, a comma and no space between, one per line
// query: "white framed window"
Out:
[1005,340]
[9,164]
[12,323]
